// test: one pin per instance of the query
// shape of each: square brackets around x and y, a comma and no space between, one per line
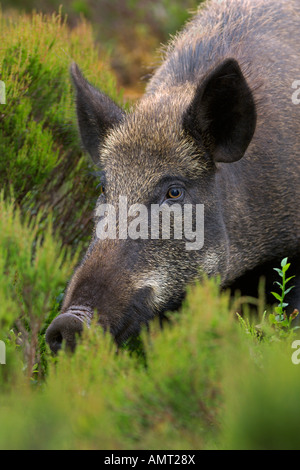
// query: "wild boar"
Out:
[217,128]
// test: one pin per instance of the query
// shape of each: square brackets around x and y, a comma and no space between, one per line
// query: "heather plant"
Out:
[33,270]
[131,29]
[43,166]
[205,385]
[41,156]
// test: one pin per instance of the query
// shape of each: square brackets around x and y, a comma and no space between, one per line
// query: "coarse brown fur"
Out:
[250,191]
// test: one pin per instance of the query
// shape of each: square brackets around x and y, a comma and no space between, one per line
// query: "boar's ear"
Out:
[222,115]
[96,113]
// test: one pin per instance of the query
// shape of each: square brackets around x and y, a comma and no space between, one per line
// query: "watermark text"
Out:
[296,354]
[296,94]
[2,93]
[174,221]
[2,353]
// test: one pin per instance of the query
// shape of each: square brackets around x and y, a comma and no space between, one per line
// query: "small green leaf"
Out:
[288,279]
[283,262]
[279,271]
[278,283]
[288,290]
[277,296]
[286,267]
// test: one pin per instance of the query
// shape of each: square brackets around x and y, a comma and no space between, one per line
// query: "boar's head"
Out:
[164,153]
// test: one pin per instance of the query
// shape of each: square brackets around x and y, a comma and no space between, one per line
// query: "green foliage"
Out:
[40,152]
[54,186]
[132,29]
[33,268]
[205,386]
[272,326]
[281,320]
[262,398]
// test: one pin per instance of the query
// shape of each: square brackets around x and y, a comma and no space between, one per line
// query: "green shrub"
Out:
[40,152]
[207,385]
[134,30]
[33,270]
[261,396]
[100,399]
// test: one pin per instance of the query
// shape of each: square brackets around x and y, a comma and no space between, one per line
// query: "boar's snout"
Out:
[66,327]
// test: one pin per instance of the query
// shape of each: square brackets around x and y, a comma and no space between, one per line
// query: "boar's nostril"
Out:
[66,328]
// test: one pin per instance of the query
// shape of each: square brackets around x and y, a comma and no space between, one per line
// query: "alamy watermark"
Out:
[296,94]
[2,353]
[296,355]
[2,93]
[163,221]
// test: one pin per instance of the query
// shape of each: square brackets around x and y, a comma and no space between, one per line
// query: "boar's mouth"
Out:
[67,326]
[141,312]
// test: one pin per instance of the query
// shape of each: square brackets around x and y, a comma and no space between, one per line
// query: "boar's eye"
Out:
[102,183]
[101,187]
[174,193]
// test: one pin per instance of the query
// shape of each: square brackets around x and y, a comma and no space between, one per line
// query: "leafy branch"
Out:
[280,318]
